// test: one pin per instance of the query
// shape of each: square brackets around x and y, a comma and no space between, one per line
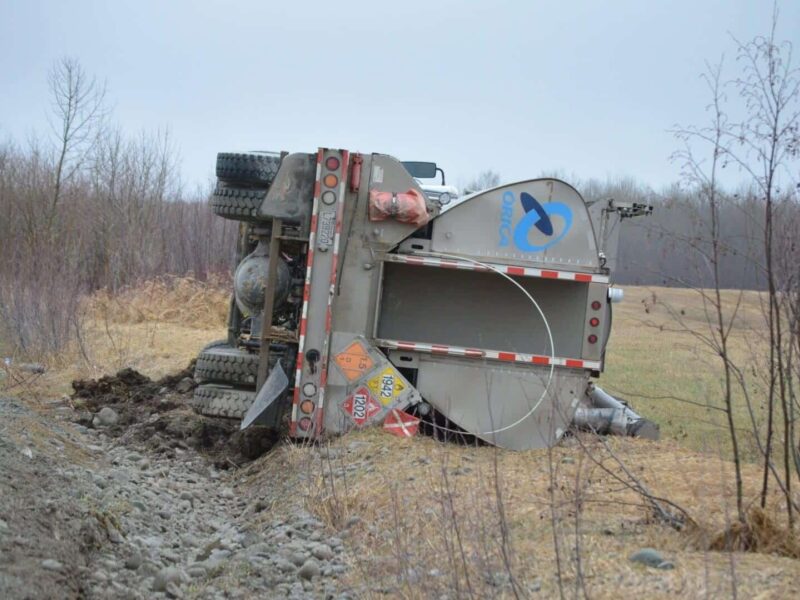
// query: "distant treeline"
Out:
[114,214]
[113,218]
[667,248]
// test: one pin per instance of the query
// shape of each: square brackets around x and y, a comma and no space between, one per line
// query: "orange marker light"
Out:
[330,180]
[307,406]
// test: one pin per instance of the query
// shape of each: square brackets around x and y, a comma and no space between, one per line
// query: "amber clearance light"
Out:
[330,180]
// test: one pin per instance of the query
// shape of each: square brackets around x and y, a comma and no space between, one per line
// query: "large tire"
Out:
[214,344]
[224,364]
[222,401]
[238,204]
[252,168]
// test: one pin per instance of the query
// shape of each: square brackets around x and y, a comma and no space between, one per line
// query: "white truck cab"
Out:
[446,195]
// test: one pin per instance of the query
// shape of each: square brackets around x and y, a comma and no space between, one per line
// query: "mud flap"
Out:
[264,408]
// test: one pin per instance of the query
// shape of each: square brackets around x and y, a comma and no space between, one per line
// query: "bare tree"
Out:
[703,176]
[78,110]
[763,144]
[483,181]
[767,143]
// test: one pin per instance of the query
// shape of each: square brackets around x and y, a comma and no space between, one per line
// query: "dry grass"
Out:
[179,300]
[434,516]
[156,328]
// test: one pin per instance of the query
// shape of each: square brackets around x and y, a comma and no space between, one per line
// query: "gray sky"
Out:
[585,87]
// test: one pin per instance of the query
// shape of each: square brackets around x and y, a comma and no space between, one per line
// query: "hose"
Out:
[547,328]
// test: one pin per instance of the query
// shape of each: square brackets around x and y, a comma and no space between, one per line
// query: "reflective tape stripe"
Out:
[323,377]
[312,234]
[429,261]
[516,357]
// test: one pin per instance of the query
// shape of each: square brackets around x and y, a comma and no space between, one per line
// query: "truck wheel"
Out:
[222,401]
[251,168]
[231,365]
[238,204]
[214,344]
[228,365]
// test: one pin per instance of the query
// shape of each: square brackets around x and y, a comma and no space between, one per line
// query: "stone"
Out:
[665,566]
[173,590]
[114,536]
[196,571]
[133,562]
[52,565]
[322,552]
[535,586]
[351,521]
[168,556]
[309,570]
[107,417]
[647,556]
[298,559]
[186,384]
[260,549]
[166,576]
[284,566]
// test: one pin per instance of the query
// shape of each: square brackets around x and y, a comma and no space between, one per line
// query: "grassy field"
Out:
[655,360]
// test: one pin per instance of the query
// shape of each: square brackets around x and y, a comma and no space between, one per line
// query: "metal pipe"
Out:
[607,415]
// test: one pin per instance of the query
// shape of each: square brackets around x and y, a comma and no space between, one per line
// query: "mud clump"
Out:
[129,392]
[158,415]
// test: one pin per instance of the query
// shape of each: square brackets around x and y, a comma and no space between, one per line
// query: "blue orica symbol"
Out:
[536,217]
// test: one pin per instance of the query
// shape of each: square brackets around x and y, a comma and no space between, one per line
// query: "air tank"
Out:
[250,280]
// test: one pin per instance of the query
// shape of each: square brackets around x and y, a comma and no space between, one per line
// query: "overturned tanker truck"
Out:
[358,301]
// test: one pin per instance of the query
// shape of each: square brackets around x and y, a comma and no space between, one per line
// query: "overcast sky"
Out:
[585,87]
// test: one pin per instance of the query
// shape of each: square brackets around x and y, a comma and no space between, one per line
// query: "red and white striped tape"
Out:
[515,357]
[312,234]
[323,377]
[429,261]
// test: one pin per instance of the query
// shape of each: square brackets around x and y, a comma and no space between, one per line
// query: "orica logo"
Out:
[537,217]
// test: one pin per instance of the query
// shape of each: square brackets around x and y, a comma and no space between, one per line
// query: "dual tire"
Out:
[227,379]
[243,180]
